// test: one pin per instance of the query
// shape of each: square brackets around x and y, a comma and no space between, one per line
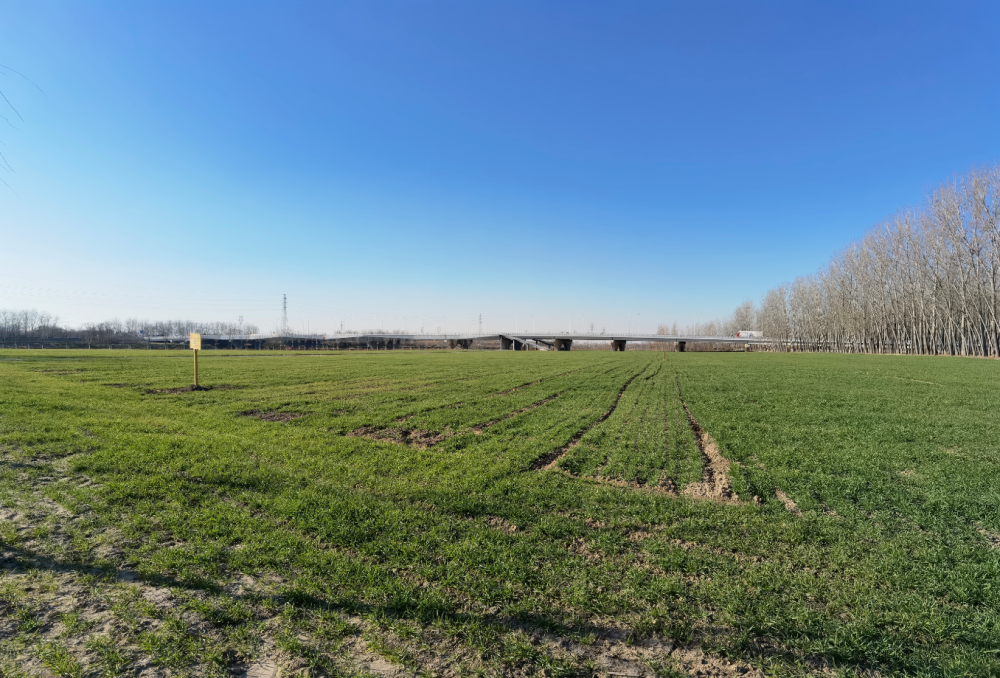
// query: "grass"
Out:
[404,520]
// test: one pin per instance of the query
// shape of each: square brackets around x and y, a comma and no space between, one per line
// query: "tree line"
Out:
[26,326]
[925,281]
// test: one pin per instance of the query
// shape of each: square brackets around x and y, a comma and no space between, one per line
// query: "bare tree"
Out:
[926,281]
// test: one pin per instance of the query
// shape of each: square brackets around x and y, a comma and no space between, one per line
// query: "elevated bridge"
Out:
[516,341]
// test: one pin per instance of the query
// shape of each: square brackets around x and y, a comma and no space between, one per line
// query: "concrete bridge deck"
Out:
[508,341]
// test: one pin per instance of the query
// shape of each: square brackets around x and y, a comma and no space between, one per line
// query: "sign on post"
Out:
[195,341]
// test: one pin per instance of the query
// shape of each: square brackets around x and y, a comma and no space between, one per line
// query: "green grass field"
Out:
[477,513]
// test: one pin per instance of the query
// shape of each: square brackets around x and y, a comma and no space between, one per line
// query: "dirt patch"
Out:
[992,537]
[404,436]
[792,507]
[282,417]
[549,461]
[664,486]
[714,482]
[613,654]
[189,389]
[667,485]
[119,385]
[492,422]
[581,547]
[263,669]
[501,524]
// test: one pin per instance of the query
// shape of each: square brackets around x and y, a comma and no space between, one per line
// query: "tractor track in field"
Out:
[549,461]
[449,406]
[414,437]
[714,484]
[480,428]
[532,383]
[424,439]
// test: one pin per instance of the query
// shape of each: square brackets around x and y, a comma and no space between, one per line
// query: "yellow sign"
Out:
[196,341]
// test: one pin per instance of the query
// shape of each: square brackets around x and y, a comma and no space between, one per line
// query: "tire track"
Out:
[479,428]
[549,461]
[532,383]
[714,484]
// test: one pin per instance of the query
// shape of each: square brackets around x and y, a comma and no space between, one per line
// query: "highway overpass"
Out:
[512,341]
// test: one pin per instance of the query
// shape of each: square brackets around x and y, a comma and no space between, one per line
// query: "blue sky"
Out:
[416,164]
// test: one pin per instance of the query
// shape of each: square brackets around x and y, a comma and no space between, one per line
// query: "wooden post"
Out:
[195,340]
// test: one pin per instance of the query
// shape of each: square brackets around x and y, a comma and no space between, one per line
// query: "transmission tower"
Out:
[284,314]
[480,323]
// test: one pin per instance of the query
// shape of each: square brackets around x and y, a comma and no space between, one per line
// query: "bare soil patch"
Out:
[792,507]
[282,417]
[613,653]
[714,484]
[992,537]
[501,524]
[189,389]
[404,436]
[664,486]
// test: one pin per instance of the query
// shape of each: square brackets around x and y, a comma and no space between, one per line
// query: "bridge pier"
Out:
[617,344]
[563,344]
[681,345]
[510,343]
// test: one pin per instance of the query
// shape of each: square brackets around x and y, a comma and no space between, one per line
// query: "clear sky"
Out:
[408,164]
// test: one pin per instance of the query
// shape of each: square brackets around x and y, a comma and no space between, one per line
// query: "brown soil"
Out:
[613,654]
[549,461]
[792,507]
[992,537]
[404,436]
[501,524]
[281,417]
[189,389]
[714,483]
[665,485]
